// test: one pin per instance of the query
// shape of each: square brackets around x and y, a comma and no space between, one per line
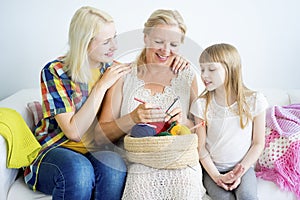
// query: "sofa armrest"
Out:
[18,101]
[7,175]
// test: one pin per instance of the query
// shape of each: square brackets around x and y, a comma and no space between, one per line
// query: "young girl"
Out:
[232,134]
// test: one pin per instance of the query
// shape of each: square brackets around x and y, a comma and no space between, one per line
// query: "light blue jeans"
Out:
[247,190]
[66,174]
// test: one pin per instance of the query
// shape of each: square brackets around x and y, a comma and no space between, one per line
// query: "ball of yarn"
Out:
[165,133]
[180,129]
[142,130]
[160,126]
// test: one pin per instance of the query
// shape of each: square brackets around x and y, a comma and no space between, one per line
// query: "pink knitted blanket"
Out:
[280,160]
[284,119]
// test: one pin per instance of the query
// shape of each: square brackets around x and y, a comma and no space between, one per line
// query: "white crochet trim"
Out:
[148,183]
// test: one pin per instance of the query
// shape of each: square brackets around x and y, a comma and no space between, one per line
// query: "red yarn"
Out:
[160,126]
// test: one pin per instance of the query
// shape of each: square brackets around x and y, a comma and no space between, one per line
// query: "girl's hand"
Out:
[220,183]
[231,179]
[233,175]
[113,73]
[235,184]
[146,113]
[179,63]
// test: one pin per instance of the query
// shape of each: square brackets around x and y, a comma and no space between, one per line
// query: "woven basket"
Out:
[164,152]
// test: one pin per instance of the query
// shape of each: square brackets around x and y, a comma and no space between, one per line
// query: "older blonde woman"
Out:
[152,81]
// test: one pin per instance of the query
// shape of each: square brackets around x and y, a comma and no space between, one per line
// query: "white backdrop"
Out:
[266,33]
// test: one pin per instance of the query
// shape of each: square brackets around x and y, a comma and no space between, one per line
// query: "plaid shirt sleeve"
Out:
[56,89]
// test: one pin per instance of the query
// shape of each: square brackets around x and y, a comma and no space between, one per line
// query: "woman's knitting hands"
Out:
[146,113]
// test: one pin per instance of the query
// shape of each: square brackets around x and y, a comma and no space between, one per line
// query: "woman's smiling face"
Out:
[103,45]
[162,42]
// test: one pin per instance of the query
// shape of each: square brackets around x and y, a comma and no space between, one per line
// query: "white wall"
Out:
[266,33]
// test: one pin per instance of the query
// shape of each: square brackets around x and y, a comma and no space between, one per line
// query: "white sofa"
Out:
[12,187]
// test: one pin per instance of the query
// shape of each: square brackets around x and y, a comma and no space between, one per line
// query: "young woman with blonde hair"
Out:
[73,88]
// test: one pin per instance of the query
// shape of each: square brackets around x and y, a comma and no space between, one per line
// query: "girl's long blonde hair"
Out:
[85,25]
[161,17]
[230,59]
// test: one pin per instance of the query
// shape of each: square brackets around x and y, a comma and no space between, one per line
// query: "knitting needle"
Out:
[176,99]
[171,116]
[141,101]
[191,167]
[197,125]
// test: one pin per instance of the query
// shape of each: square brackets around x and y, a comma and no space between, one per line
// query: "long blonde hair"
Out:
[85,25]
[230,59]
[161,17]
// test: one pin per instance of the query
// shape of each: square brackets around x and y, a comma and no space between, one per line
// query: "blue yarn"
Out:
[142,130]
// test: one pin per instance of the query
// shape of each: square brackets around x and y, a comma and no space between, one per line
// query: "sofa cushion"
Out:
[267,190]
[18,101]
[35,108]
[8,175]
[294,96]
[20,191]
[276,96]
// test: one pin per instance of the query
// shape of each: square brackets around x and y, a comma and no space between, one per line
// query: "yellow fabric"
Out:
[81,146]
[76,146]
[22,145]
[95,76]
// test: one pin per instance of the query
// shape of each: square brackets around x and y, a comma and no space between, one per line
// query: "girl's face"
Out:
[162,43]
[213,75]
[103,46]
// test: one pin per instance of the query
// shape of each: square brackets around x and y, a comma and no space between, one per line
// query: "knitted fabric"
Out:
[284,119]
[280,161]
[22,145]
[148,183]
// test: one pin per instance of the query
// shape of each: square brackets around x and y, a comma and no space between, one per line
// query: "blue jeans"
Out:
[66,174]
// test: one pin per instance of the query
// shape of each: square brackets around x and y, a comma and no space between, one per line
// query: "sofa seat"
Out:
[20,191]
[266,190]
[14,188]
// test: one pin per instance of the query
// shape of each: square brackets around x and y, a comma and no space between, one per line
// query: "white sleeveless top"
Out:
[226,142]
[134,88]
[144,182]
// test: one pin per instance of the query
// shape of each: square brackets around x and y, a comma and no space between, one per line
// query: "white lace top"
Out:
[134,88]
[144,182]
[226,142]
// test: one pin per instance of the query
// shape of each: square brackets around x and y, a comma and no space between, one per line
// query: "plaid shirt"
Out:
[59,95]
